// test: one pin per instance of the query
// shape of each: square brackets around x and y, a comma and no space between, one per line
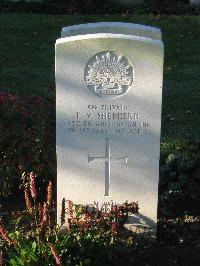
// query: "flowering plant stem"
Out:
[35,214]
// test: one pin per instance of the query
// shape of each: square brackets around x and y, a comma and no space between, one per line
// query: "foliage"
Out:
[27,137]
[99,7]
[92,234]
[63,6]
[89,237]
[179,187]
[109,215]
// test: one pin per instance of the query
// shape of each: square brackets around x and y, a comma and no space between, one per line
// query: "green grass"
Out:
[27,61]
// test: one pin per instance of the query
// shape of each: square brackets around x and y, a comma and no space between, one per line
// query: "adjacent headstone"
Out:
[130,3]
[195,2]
[108,117]
[112,27]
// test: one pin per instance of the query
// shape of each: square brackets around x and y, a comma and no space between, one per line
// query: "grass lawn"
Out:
[27,61]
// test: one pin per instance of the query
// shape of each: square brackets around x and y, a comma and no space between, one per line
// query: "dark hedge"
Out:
[99,7]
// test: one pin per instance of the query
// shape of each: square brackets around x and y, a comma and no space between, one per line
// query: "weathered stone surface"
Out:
[112,27]
[108,117]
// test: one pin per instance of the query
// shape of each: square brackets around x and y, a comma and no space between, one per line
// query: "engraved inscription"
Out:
[107,120]
[109,75]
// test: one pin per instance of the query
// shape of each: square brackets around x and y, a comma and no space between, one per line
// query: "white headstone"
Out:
[108,118]
[195,2]
[112,27]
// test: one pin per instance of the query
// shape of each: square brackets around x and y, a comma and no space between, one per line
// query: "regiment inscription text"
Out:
[108,120]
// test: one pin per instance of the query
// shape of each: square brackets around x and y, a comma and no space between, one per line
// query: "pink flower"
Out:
[49,194]
[4,235]
[44,217]
[55,255]
[32,185]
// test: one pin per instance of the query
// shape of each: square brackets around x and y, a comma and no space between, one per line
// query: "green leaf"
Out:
[34,246]
[16,261]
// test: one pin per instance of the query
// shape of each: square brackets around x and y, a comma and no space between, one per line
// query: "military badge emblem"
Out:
[109,75]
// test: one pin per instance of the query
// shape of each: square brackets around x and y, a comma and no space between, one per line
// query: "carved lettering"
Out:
[124,116]
[110,122]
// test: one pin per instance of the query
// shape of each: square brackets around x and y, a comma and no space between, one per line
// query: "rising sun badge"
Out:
[109,75]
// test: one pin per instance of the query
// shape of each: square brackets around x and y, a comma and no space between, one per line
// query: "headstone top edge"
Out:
[108,35]
[110,24]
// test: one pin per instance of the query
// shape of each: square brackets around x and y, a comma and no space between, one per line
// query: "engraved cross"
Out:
[107,159]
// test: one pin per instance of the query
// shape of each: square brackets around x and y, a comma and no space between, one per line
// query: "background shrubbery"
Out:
[27,141]
[99,7]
